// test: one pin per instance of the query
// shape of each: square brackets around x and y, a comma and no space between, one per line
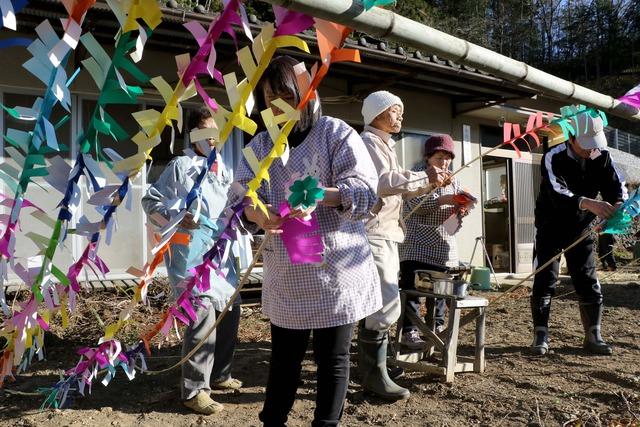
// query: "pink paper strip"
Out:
[289,22]
[631,99]
[197,31]
[302,246]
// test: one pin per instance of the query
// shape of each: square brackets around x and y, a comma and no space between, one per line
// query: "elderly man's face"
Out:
[390,120]
[583,153]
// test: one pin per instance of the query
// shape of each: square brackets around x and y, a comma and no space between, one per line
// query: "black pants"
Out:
[605,250]
[580,262]
[331,354]
[407,282]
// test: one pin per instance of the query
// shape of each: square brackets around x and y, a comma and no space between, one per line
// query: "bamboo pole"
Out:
[390,26]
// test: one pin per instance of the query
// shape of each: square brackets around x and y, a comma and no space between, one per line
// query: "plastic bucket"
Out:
[481,278]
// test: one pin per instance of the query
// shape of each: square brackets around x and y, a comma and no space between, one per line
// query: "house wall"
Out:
[425,114]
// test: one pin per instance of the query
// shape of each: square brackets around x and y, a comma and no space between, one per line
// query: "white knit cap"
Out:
[378,102]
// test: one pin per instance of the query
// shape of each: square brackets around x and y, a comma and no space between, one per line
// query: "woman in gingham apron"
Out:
[428,245]
[324,299]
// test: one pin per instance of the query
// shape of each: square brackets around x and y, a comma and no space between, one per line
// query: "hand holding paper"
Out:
[270,222]
[463,202]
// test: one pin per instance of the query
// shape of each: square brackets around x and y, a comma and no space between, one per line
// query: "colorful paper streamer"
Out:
[632,97]
[622,219]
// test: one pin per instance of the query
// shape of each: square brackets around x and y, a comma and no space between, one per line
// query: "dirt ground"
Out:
[568,387]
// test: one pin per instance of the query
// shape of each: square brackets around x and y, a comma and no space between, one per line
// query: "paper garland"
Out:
[58,295]
[263,49]
[558,130]
[28,149]
[223,23]
[107,356]
[153,122]
[184,307]
[632,97]
[106,75]
[184,300]
[621,221]
[114,90]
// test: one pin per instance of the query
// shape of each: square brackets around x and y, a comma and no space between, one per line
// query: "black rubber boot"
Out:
[540,310]
[372,366]
[591,316]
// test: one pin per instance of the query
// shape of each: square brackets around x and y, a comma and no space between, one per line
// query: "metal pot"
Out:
[460,289]
[443,287]
[455,288]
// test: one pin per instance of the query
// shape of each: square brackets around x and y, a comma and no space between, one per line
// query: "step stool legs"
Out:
[451,345]
[479,363]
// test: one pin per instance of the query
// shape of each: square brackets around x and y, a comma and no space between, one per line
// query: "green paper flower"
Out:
[305,193]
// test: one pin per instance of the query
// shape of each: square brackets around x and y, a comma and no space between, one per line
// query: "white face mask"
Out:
[595,153]
[203,146]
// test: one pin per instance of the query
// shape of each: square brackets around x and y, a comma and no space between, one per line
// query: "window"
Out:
[410,148]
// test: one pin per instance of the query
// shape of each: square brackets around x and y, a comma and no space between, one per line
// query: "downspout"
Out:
[388,25]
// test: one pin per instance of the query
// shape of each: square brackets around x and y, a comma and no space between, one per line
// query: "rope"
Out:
[224,311]
[543,266]
[629,264]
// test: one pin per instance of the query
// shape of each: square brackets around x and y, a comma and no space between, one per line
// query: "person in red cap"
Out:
[429,246]
[382,114]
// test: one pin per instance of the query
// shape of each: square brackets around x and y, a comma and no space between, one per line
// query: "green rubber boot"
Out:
[372,366]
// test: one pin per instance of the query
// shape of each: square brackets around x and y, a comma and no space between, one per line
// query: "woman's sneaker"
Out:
[228,384]
[411,340]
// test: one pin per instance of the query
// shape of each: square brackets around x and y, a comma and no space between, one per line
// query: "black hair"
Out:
[281,78]
[198,116]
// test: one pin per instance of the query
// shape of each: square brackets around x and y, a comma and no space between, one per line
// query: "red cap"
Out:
[439,143]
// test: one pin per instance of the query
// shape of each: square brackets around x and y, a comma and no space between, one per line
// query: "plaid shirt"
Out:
[345,287]
[426,239]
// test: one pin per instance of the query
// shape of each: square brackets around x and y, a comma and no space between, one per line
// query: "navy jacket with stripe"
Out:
[565,181]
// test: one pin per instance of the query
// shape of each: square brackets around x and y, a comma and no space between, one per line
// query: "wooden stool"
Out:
[446,341]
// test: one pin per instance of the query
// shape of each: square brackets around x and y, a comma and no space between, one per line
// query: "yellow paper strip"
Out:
[163,87]
[201,134]
[251,158]
[246,61]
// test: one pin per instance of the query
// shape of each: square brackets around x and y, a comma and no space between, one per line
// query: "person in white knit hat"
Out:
[382,114]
